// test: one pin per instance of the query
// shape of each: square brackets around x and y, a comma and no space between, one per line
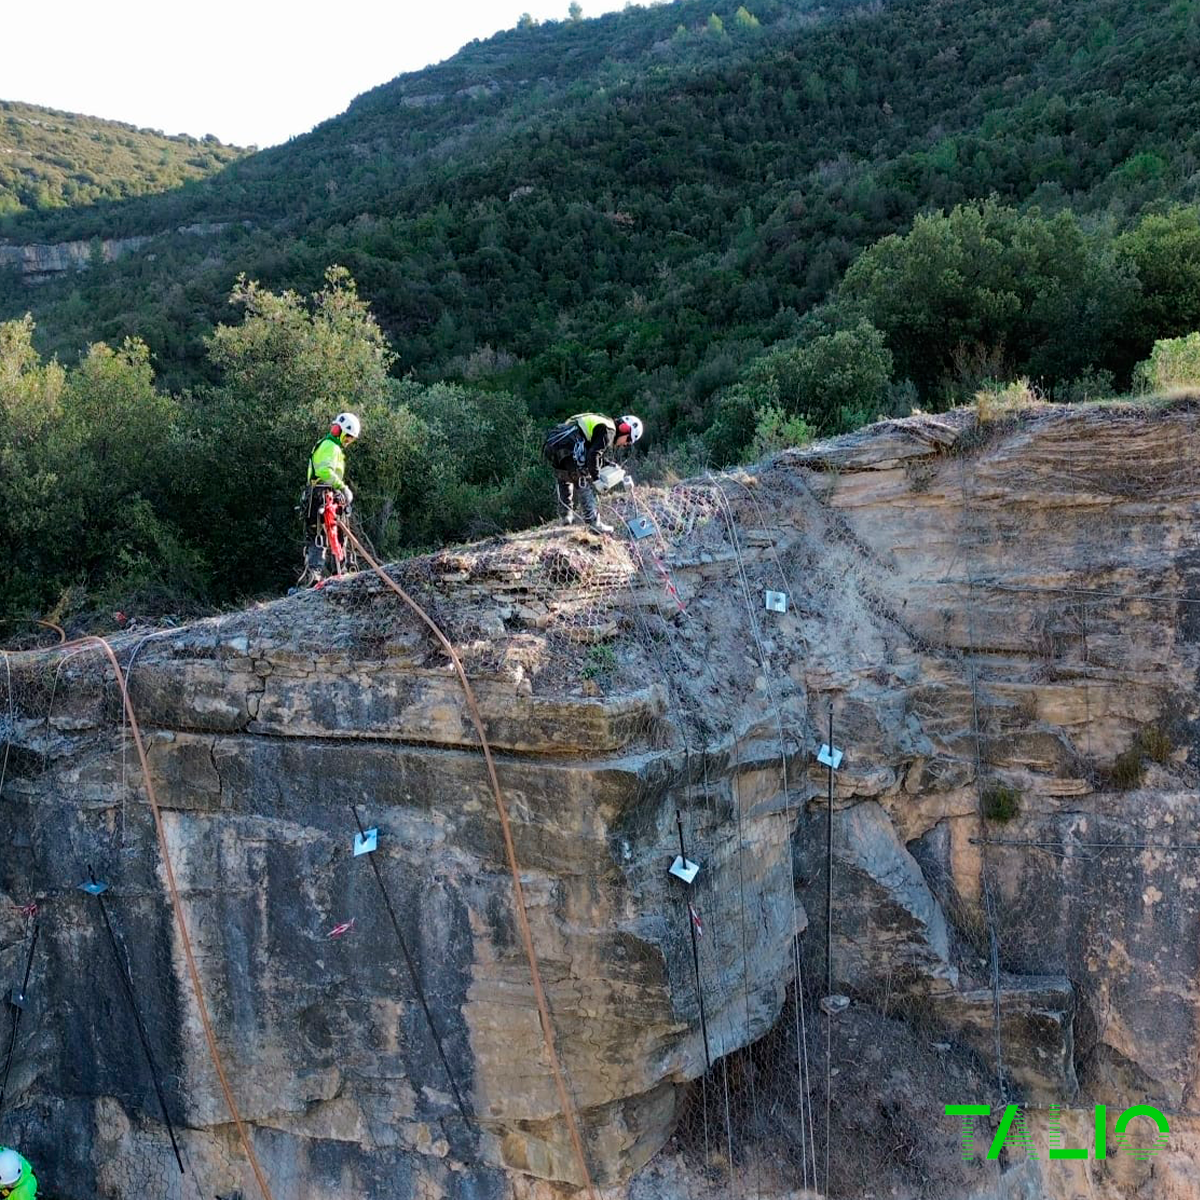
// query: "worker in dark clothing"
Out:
[576,450]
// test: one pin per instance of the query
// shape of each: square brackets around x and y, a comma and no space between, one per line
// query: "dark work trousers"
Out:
[575,490]
[314,528]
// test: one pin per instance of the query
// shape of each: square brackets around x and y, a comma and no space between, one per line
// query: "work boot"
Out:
[599,526]
[569,517]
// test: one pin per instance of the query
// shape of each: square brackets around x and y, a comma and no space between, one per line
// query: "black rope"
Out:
[829,957]
[681,725]
[695,949]
[412,971]
[127,984]
[18,1006]
[829,871]
[985,872]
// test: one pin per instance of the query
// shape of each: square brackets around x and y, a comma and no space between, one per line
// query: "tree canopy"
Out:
[744,221]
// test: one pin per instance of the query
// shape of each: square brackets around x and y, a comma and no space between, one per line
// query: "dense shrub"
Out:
[1173,363]
[122,493]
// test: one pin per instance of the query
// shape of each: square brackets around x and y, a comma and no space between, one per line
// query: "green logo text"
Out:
[1013,1132]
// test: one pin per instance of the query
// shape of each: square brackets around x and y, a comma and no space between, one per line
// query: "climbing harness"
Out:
[329,519]
[326,536]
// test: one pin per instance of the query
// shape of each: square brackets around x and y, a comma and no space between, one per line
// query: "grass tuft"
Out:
[1001,802]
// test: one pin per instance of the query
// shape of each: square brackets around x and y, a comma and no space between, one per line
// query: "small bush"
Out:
[1154,744]
[1001,802]
[601,661]
[996,401]
[777,431]
[1173,363]
[1128,769]
[1091,385]
[902,399]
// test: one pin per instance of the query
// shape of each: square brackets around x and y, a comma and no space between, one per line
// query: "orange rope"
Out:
[62,636]
[63,643]
[513,866]
[183,933]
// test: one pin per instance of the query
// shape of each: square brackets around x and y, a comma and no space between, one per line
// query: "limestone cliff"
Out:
[1001,617]
[37,263]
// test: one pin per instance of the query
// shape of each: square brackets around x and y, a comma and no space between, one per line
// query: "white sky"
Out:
[252,73]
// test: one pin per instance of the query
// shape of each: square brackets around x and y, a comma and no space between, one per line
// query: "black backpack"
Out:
[558,447]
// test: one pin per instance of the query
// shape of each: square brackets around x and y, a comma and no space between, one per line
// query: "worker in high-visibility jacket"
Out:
[326,474]
[17,1180]
[576,450]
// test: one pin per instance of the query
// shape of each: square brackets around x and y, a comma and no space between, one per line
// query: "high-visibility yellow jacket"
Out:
[589,422]
[599,435]
[327,463]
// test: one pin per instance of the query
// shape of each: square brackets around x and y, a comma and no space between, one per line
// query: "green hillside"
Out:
[635,206]
[745,222]
[54,160]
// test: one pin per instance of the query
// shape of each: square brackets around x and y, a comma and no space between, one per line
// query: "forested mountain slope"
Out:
[53,160]
[747,223]
[639,204]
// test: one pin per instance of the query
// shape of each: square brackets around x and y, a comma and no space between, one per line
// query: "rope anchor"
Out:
[366,841]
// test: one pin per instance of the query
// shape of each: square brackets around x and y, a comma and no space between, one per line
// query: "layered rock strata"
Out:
[1002,619]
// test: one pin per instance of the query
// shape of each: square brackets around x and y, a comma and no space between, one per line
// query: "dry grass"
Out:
[1151,743]
[997,402]
[1158,401]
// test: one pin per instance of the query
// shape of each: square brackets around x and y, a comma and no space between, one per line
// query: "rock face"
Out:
[1003,621]
[39,262]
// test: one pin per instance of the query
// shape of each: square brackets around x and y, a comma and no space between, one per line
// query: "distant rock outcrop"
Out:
[38,263]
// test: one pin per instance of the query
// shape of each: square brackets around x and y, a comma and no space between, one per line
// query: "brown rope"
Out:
[183,933]
[513,866]
[63,643]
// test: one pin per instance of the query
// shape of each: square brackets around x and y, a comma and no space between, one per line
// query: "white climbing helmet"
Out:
[346,424]
[631,425]
[10,1167]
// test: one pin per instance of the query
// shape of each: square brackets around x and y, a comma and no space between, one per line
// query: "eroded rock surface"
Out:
[1003,620]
